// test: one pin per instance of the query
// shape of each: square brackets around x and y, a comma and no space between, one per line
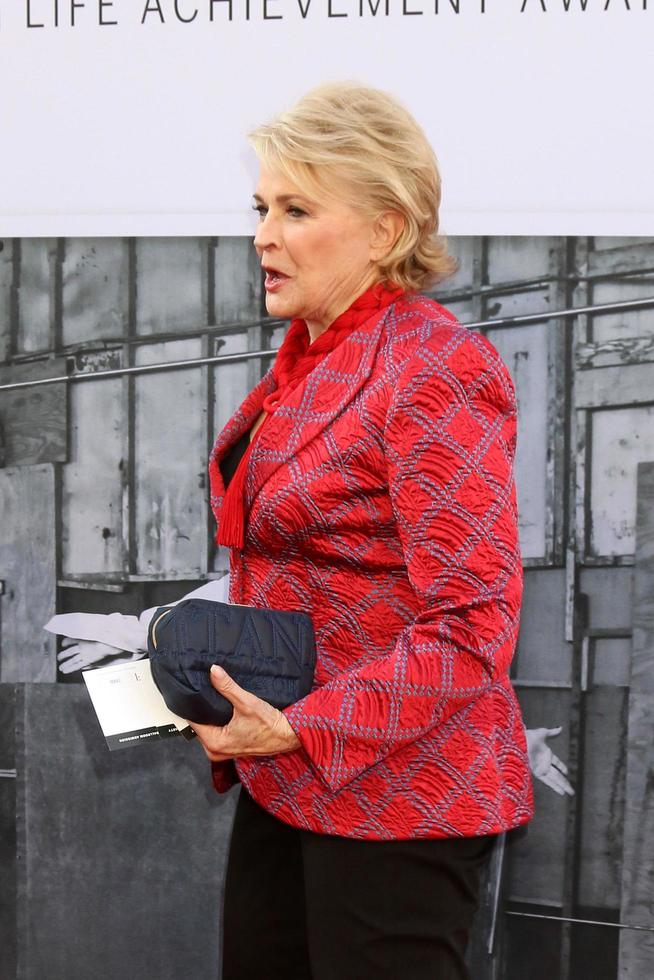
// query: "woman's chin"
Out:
[278,306]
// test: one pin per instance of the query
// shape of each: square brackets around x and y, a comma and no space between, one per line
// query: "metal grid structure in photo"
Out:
[105,506]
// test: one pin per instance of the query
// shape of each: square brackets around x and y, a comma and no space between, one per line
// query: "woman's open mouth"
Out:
[274,280]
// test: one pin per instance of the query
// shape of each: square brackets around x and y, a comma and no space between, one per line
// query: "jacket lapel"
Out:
[314,403]
[242,420]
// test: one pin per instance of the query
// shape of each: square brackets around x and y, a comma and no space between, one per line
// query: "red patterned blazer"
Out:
[382,502]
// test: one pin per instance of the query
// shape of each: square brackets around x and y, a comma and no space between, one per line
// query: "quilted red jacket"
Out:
[382,502]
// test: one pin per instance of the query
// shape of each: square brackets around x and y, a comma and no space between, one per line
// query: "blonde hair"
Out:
[349,140]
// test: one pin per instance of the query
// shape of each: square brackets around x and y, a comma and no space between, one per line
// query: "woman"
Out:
[368,480]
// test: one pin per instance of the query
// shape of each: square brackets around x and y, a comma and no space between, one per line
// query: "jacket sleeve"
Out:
[449,441]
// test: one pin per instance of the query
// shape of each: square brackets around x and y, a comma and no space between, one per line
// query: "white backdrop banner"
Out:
[129,117]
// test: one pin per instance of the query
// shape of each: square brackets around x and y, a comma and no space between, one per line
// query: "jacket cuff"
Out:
[323,749]
[224,775]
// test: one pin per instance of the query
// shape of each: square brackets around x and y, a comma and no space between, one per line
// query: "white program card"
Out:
[130,709]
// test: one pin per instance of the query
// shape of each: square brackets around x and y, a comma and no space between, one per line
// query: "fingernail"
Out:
[216,670]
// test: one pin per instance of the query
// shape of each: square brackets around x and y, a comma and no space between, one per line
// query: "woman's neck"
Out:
[318,326]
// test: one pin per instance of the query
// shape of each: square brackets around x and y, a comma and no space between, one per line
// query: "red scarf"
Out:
[296,357]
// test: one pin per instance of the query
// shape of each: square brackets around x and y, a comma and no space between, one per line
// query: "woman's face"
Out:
[317,254]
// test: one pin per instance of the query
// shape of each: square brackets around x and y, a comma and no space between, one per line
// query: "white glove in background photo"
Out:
[115,635]
[544,764]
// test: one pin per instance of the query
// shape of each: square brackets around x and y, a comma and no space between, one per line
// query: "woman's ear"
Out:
[386,230]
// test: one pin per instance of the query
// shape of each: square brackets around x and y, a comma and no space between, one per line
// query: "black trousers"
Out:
[306,906]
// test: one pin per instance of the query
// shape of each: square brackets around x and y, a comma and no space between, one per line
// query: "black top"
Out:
[229,463]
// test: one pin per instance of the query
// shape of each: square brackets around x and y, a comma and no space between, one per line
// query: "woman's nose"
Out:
[267,233]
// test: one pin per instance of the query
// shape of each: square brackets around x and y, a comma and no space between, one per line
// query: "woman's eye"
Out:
[294,212]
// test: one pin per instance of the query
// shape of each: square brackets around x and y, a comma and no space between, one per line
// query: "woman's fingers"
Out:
[256,727]
[229,689]
[212,740]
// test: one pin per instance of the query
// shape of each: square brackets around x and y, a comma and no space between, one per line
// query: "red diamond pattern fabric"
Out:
[383,504]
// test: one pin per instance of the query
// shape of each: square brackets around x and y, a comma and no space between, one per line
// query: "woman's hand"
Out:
[544,764]
[256,728]
[80,654]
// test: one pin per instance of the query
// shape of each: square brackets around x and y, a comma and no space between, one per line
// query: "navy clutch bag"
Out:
[269,652]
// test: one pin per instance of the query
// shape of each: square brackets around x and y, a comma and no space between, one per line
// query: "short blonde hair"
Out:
[346,139]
